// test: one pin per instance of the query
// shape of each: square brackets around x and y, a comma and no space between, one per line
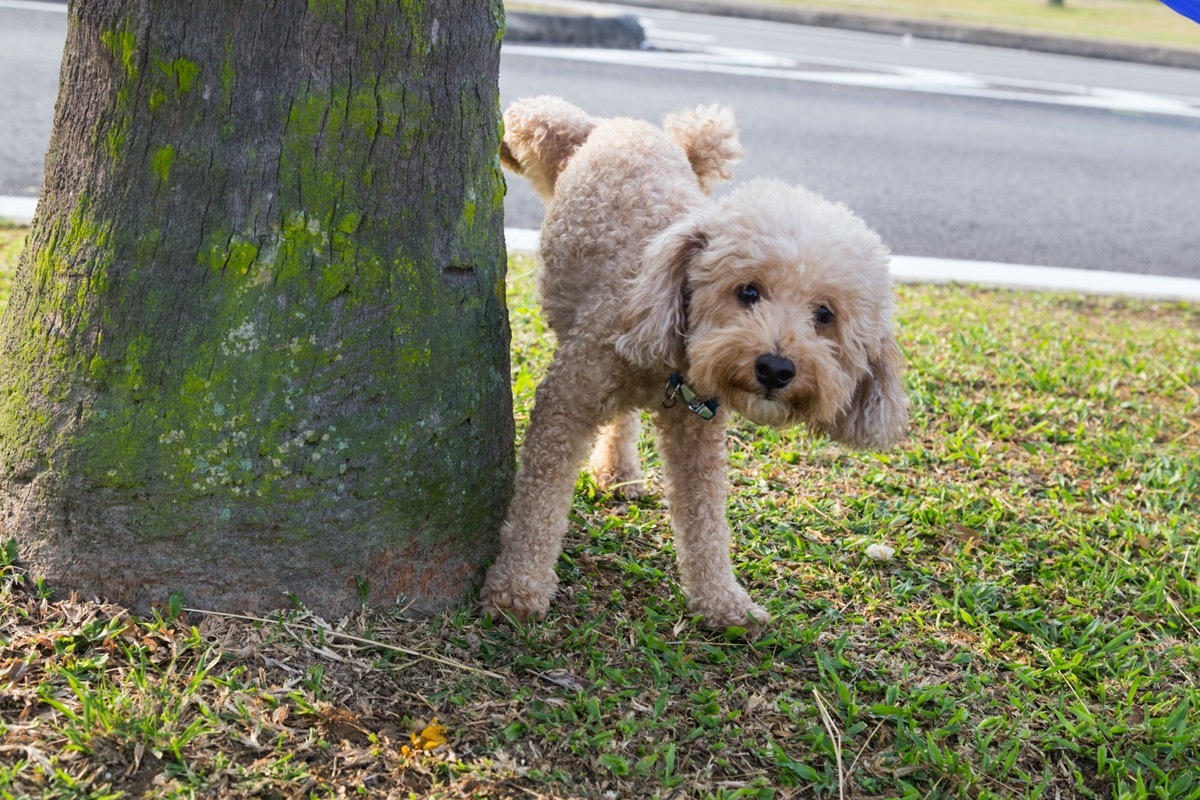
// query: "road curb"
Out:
[17,210]
[922,29]
[1026,277]
[578,30]
[989,274]
[905,269]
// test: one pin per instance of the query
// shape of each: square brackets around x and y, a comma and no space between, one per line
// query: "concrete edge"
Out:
[17,210]
[579,30]
[905,269]
[925,29]
[990,274]
[1027,277]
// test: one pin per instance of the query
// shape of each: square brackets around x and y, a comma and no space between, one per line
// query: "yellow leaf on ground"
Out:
[431,737]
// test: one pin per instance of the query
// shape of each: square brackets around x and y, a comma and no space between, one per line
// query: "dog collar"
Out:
[705,409]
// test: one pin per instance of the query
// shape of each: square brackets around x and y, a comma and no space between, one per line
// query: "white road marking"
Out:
[732,61]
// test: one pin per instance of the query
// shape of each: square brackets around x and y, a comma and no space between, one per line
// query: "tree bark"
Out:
[257,344]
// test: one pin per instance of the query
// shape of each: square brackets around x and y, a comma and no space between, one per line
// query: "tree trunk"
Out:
[257,344]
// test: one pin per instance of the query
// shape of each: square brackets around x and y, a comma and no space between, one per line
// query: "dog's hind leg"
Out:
[694,466]
[566,412]
[615,463]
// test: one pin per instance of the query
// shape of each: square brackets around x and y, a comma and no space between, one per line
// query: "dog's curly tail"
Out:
[540,136]
[709,137]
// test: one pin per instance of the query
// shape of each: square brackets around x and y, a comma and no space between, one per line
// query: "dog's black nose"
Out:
[774,372]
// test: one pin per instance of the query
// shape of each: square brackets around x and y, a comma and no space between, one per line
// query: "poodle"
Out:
[768,301]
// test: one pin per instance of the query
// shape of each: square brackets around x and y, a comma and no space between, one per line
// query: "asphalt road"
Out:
[948,150]
[31,44]
[937,176]
[974,153]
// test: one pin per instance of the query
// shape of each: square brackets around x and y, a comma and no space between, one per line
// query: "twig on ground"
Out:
[837,743]
[862,749]
[449,662]
[1175,376]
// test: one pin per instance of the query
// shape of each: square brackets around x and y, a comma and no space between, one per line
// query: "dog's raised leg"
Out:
[695,464]
[615,463]
[567,409]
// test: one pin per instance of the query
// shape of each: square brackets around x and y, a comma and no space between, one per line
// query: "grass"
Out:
[1140,21]
[11,242]
[1034,635]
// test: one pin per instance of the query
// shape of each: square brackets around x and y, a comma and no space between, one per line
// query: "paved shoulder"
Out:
[925,29]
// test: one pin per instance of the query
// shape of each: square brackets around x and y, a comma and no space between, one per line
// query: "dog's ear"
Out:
[878,414]
[654,318]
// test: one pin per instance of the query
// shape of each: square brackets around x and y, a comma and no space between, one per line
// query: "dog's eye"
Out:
[824,315]
[748,294]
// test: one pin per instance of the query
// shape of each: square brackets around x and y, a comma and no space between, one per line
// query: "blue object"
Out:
[1189,8]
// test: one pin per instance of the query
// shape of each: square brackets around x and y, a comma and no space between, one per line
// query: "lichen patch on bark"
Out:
[258,312]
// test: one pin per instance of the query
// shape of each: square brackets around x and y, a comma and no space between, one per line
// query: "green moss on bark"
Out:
[180,74]
[275,342]
[161,162]
[237,433]
[123,46]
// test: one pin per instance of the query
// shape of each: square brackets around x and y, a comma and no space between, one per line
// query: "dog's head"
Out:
[778,303]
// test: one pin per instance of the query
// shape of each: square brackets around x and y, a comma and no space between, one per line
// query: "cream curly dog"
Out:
[769,301]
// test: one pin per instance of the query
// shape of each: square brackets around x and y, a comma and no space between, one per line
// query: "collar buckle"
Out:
[676,388]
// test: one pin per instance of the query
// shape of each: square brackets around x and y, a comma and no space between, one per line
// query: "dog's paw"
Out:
[624,484]
[622,488]
[508,595]
[731,610]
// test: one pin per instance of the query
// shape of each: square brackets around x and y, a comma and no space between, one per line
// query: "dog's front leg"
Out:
[566,413]
[695,463]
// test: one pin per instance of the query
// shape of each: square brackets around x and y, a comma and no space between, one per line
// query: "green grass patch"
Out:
[1034,635]
[12,240]
[1137,21]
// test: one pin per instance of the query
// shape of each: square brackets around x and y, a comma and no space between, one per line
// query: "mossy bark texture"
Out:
[258,344]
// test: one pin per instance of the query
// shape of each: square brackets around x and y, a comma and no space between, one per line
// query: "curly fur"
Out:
[708,136]
[642,274]
[540,139]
